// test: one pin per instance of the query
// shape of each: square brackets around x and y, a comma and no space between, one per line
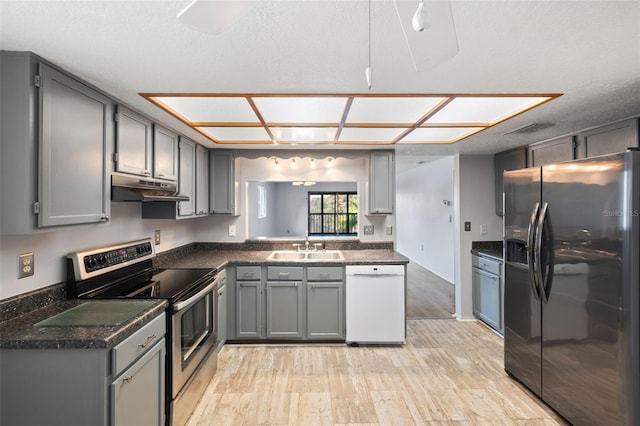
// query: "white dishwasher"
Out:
[375,304]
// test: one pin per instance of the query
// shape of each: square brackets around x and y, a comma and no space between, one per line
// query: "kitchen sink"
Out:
[325,255]
[302,255]
[286,255]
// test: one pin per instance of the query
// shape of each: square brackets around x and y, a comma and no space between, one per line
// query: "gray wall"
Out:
[286,207]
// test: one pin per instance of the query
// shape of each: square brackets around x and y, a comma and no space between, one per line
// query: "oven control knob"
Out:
[139,249]
[92,262]
[102,259]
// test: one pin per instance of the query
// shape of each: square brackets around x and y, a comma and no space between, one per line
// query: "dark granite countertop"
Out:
[222,258]
[22,333]
[487,248]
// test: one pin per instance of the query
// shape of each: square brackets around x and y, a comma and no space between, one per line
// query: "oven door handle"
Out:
[193,299]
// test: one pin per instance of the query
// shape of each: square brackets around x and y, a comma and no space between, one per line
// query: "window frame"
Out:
[349,214]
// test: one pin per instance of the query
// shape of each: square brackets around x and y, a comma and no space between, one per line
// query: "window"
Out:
[333,213]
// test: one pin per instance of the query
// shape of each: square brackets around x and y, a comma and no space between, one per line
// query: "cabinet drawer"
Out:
[127,351]
[246,273]
[488,265]
[324,274]
[284,273]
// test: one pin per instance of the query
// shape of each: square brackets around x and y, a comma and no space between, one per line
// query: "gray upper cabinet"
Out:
[222,185]
[202,181]
[616,137]
[503,161]
[555,151]
[134,143]
[165,154]
[187,181]
[54,171]
[381,182]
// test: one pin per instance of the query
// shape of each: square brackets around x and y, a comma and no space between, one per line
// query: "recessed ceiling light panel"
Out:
[487,110]
[369,135]
[211,109]
[304,134]
[390,109]
[298,109]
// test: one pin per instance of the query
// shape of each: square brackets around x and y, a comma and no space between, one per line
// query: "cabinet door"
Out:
[165,154]
[74,133]
[202,180]
[487,297]
[222,186]
[248,309]
[381,182]
[187,181]
[137,396]
[504,161]
[609,139]
[325,310]
[284,309]
[134,143]
[552,152]
[222,310]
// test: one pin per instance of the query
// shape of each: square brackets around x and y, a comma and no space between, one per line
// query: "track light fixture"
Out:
[293,163]
[313,163]
[330,163]
[276,165]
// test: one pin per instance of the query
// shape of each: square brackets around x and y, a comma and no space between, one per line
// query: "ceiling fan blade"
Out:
[214,16]
[438,42]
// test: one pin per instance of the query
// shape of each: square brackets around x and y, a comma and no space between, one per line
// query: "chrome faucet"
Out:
[306,244]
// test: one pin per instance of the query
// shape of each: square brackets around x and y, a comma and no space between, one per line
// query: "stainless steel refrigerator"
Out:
[572,304]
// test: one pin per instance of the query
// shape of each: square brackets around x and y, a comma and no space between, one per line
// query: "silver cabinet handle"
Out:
[283,274]
[146,172]
[127,379]
[324,275]
[105,218]
[149,340]
[247,275]
[160,174]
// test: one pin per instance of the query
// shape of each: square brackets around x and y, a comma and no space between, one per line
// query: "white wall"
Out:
[51,248]
[425,225]
[473,202]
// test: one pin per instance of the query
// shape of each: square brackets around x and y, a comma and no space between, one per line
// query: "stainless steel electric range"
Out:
[126,271]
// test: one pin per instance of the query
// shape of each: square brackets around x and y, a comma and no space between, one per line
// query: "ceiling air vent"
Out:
[530,128]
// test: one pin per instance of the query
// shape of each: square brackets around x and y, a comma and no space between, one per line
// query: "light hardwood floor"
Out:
[428,295]
[448,372]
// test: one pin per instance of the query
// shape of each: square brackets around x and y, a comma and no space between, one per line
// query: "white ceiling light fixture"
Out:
[420,22]
[367,70]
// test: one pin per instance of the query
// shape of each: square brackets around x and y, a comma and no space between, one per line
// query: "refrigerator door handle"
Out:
[540,278]
[531,234]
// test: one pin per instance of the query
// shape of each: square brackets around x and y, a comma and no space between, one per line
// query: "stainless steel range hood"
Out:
[135,188]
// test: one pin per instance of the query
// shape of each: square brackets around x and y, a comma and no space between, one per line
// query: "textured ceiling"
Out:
[587,50]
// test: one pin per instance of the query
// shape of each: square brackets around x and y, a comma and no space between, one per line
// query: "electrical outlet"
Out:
[467,226]
[389,230]
[25,265]
[368,230]
[157,237]
[232,230]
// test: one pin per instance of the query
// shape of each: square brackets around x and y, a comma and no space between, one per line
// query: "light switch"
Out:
[389,230]
[483,229]
[232,230]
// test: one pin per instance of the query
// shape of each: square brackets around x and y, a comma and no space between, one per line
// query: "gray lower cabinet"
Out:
[381,182]
[249,302]
[56,132]
[222,308]
[488,291]
[286,302]
[124,385]
[325,303]
[222,182]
